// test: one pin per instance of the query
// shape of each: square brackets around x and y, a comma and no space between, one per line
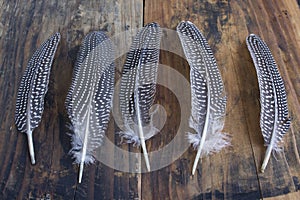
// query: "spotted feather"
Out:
[274,119]
[138,86]
[89,99]
[207,91]
[33,88]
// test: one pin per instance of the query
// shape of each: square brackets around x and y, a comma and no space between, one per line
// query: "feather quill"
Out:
[207,91]
[274,119]
[33,88]
[89,99]
[138,86]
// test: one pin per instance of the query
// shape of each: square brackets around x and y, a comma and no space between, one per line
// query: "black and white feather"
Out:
[207,91]
[89,99]
[33,88]
[138,86]
[274,119]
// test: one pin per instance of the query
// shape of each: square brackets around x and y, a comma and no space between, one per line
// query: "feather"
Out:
[89,99]
[274,119]
[138,86]
[207,91]
[33,88]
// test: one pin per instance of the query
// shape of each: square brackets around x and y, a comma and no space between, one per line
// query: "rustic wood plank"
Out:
[290,196]
[233,173]
[23,26]
[217,177]
[282,175]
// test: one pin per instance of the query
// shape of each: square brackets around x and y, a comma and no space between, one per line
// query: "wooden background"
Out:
[231,174]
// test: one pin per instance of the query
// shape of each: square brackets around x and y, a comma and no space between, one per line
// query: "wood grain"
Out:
[24,26]
[231,174]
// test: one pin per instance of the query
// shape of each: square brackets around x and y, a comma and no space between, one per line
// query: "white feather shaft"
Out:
[84,147]
[87,132]
[140,125]
[203,138]
[29,135]
[266,159]
[272,142]
[142,138]
[30,146]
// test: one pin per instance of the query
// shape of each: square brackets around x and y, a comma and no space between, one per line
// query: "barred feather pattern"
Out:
[138,86]
[33,88]
[274,119]
[89,99]
[207,92]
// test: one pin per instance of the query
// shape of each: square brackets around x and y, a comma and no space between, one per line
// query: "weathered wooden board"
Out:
[231,174]
[24,25]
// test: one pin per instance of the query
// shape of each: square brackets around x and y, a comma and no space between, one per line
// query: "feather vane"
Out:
[33,88]
[89,99]
[207,92]
[274,119]
[138,86]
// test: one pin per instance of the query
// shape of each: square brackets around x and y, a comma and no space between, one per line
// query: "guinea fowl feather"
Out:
[207,91]
[138,86]
[33,88]
[274,119]
[89,99]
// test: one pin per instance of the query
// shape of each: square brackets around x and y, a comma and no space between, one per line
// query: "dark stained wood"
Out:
[231,174]
[24,26]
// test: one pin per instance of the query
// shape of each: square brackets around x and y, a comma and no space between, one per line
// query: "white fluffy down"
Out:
[75,151]
[130,130]
[215,139]
[130,135]
[213,143]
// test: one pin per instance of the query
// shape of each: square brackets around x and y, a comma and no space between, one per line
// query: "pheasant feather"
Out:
[89,99]
[33,88]
[138,86]
[274,120]
[207,92]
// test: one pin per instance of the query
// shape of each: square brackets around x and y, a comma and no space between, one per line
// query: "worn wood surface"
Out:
[231,174]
